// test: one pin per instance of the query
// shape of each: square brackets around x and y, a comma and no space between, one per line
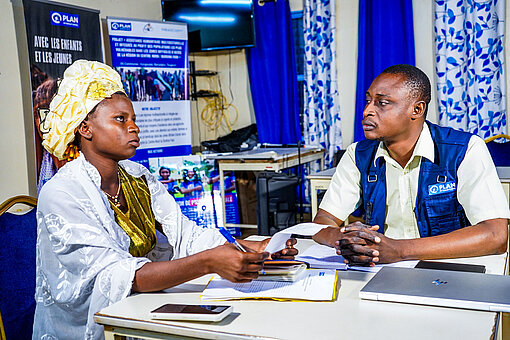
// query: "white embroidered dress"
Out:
[83,260]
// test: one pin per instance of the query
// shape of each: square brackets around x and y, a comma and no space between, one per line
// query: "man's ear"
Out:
[419,110]
[84,130]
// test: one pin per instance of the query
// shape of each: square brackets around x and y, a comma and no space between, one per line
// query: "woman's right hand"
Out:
[234,265]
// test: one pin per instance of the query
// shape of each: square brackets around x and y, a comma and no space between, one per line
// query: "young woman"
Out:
[101,215]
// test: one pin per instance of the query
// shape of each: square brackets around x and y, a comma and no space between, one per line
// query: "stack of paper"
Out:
[318,285]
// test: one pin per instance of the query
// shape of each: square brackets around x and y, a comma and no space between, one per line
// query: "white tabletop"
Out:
[348,317]
[263,153]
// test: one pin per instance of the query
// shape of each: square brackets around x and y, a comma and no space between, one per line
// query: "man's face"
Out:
[388,109]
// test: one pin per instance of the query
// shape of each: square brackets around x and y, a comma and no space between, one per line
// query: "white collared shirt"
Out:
[479,190]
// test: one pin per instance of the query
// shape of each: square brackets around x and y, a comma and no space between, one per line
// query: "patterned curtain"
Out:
[321,121]
[470,65]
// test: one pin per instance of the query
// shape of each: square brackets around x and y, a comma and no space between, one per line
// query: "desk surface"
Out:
[503,173]
[348,317]
[273,154]
[324,174]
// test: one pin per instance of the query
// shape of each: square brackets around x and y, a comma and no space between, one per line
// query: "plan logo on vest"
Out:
[121,26]
[65,19]
[441,188]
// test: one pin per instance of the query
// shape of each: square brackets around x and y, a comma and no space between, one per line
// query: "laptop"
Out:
[444,288]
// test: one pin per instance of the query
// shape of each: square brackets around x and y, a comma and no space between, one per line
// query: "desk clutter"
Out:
[316,285]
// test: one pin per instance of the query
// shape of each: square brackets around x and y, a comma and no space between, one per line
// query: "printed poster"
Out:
[152,59]
[195,187]
[57,35]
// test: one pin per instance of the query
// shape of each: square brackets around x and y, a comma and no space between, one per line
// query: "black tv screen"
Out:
[213,24]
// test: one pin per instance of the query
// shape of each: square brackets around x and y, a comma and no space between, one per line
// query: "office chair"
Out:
[17,276]
[500,152]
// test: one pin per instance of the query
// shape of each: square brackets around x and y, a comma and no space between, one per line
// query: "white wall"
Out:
[13,149]
[424,46]
[347,64]
[235,86]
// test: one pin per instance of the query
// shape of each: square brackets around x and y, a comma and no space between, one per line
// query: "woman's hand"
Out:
[233,264]
[286,253]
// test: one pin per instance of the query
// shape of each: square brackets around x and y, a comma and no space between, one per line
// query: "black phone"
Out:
[460,267]
[191,312]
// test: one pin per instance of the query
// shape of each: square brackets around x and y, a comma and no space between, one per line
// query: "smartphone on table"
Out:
[172,311]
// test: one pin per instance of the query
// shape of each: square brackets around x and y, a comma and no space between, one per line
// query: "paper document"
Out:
[317,285]
[278,240]
[319,256]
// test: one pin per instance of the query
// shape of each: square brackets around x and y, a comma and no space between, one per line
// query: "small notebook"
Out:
[275,271]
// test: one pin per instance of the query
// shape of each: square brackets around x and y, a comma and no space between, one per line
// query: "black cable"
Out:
[230,77]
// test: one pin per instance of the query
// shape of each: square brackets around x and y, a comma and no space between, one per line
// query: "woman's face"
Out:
[164,173]
[112,130]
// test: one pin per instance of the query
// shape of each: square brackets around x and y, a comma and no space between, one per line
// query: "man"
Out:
[426,192]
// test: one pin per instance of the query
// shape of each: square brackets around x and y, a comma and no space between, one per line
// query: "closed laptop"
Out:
[440,288]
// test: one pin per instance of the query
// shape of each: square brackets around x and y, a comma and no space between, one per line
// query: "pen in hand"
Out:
[231,239]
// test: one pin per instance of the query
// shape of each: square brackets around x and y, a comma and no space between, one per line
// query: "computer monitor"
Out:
[276,202]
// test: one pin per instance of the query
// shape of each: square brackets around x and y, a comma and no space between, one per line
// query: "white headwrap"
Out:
[85,84]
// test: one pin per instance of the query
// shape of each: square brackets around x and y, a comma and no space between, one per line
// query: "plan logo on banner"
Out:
[121,26]
[65,19]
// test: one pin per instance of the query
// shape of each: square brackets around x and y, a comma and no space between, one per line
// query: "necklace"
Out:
[115,199]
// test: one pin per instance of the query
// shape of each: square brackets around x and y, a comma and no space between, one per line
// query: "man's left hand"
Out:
[363,246]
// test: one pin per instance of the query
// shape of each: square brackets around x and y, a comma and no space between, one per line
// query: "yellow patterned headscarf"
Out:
[84,85]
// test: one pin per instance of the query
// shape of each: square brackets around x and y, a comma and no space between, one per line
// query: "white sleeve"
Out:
[343,194]
[85,267]
[479,189]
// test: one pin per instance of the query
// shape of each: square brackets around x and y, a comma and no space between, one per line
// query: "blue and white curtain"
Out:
[321,121]
[470,65]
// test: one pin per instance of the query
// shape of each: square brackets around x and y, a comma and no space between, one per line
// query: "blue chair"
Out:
[17,276]
[500,152]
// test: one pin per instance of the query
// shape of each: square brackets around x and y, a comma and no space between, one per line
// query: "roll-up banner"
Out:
[57,34]
[152,59]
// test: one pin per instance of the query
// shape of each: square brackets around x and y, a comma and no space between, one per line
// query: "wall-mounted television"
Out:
[213,24]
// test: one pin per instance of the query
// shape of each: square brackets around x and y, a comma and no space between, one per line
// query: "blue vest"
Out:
[437,209]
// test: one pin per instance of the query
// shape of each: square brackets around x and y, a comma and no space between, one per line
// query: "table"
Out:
[272,159]
[348,317]
[321,180]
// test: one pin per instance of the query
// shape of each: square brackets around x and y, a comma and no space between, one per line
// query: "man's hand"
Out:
[234,265]
[363,245]
[329,236]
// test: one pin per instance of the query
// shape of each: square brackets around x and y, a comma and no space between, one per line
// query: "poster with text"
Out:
[57,35]
[195,186]
[152,59]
